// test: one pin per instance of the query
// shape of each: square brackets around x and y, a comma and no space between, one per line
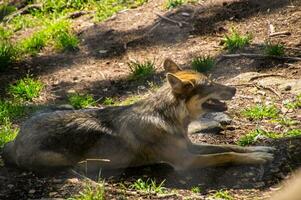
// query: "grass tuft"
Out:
[236,41]
[274,49]
[7,53]
[202,64]
[35,43]
[141,70]
[196,189]
[148,186]
[296,103]
[79,101]
[26,89]
[90,193]
[108,101]
[170,4]
[66,41]
[222,195]
[10,110]
[261,112]
[7,133]
[252,136]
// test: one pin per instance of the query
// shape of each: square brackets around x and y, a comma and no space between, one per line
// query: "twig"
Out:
[251,55]
[180,24]
[279,33]
[259,87]
[21,11]
[265,75]
[78,14]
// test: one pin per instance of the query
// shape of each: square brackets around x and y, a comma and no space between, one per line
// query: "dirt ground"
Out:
[100,67]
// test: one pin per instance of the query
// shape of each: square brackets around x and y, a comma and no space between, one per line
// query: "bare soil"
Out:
[100,67]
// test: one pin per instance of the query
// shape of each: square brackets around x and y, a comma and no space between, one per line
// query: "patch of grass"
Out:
[66,41]
[141,70]
[170,4]
[26,89]
[7,53]
[108,101]
[296,103]
[107,8]
[202,64]
[222,195]
[252,136]
[260,112]
[25,21]
[7,133]
[35,43]
[130,100]
[285,121]
[79,101]
[196,189]
[91,193]
[6,10]
[236,41]
[10,110]
[274,49]
[148,186]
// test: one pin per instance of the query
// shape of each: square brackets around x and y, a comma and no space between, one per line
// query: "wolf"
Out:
[150,131]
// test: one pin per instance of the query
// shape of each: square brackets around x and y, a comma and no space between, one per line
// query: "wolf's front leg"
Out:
[211,148]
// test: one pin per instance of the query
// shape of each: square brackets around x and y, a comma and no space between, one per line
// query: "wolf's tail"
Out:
[9,154]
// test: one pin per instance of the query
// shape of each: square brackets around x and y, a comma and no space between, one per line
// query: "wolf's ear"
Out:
[177,85]
[170,66]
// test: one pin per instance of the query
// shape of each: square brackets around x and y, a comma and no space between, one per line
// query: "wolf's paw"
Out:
[258,158]
[261,149]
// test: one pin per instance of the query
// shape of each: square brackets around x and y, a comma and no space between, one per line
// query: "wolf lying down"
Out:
[150,131]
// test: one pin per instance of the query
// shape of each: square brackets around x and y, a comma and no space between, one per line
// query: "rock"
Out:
[72,180]
[32,191]
[220,117]
[204,125]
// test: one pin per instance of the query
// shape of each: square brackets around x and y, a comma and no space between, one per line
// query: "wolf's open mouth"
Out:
[215,105]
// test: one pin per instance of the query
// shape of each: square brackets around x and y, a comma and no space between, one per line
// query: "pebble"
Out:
[32,191]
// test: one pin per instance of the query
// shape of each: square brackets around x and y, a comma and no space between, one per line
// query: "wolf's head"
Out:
[201,95]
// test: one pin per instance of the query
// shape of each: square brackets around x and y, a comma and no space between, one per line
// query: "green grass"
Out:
[285,121]
[25,21]
[130,100]
[236,41]
[196,189]
[35,43]
[6,10]
[66,41]
[10,110]
[26,89]
[274,49]
[222,195]
[7,133]
[90,193]
[170,4]
[148,186]
[202,64]
[295,104]
[261,112]
[108,101]
[7,53]
[252,136]
[107,8]
[141,70]
[79,101]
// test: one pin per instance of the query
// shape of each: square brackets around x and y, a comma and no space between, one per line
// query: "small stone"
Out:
[52,194]
[259,185]
[10,186]
[220,117]
[32,191]
[204,126]
[288,88]
[72,180]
